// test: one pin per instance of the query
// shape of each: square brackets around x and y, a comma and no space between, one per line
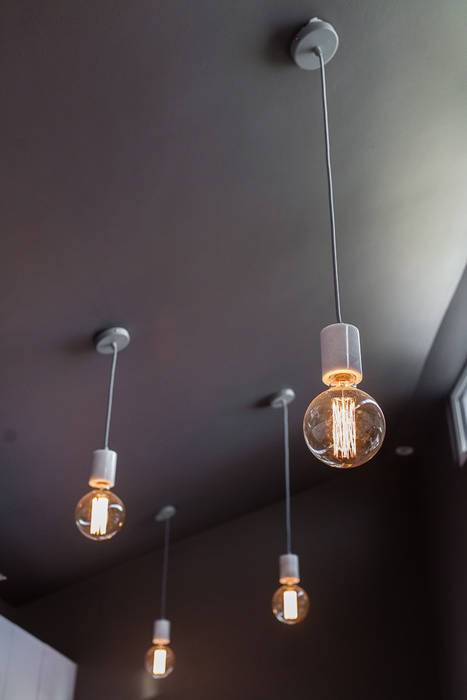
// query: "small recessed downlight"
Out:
[404,450]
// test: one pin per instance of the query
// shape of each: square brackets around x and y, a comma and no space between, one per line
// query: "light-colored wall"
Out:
[30,669]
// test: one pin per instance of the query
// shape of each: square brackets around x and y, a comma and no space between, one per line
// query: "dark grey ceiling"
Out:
[162,167]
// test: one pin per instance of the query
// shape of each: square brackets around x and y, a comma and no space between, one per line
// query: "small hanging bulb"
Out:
[290,603]
[100,514]
[343,427]
[159,660]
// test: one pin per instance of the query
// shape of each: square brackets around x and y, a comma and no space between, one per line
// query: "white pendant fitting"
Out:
[315,34]
[161,631]
[340,353]
[104,469]
[105,340]
[289,570]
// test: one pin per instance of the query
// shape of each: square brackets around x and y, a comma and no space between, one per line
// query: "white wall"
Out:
[30,669]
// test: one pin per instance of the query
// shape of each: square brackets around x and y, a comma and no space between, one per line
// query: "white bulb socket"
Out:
[103,470]
[161,632]
[289,571]
[340,353]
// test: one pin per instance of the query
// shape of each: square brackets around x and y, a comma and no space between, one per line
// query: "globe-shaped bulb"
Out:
[100,514]
[159,661]
[290,604]
[344,427]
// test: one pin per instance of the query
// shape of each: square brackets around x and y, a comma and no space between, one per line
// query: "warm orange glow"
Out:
[99,515]
[343,427]
[160,662]
[290,605]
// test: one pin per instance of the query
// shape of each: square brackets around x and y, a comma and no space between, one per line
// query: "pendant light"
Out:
[343,427]
[160,659]
[100,514]
[290,603]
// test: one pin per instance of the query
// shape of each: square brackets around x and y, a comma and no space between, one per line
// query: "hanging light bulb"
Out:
[290,603]
[100,514]
[343,427]
[159,660]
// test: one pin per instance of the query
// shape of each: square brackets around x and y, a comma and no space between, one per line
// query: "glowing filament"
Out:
[290,605]
[99,515]
[343,427]
[160,662]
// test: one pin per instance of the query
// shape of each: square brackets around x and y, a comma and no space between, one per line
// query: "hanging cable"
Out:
[287,477]
[330,185]
[111,393]
[165,569]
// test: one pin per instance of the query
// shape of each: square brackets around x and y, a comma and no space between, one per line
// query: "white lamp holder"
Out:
[289,570]
[161,631]
[103,470]
[340,353]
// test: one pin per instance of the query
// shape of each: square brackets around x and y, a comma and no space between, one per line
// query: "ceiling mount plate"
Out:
[104,341]
[165,513]
[284,396]
[316,33]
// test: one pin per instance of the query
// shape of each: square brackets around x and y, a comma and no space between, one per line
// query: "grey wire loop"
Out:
[319,53]
[288,528]
[165,569]
[111,393]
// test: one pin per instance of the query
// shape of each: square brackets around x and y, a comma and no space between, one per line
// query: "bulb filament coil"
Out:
[343,427]
[99,515]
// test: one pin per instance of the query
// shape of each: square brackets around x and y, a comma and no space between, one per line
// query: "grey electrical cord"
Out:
[330,185]
[165,569]
[111,393]
[288,528]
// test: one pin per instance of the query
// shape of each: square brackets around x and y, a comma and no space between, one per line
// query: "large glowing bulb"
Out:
[344,427]
[159,661]
[290,604]
[100,514]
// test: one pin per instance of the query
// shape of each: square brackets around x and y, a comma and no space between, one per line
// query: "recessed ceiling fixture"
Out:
[290,602]
[404,450]
[160,659]
[100,514]
[343,427]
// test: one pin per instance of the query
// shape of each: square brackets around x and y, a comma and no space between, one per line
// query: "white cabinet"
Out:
[30,669]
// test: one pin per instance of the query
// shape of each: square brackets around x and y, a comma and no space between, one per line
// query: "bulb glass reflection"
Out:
[159,661]
[290,604]
[100,514]
[344,427]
